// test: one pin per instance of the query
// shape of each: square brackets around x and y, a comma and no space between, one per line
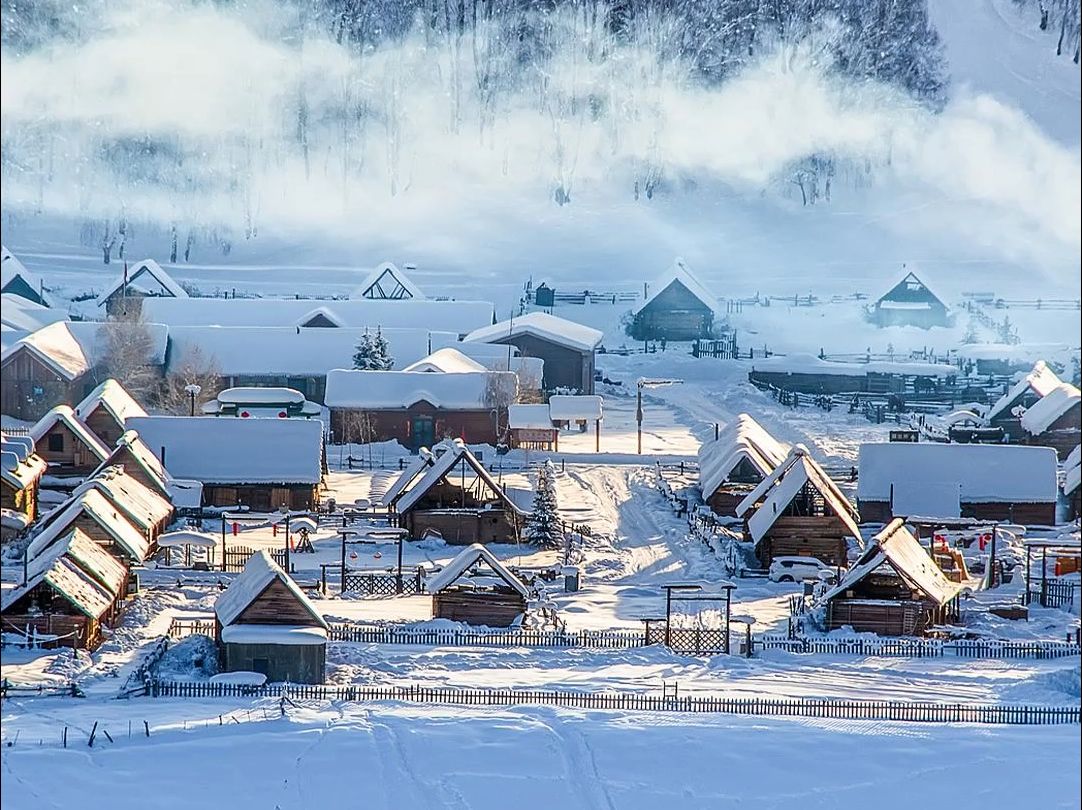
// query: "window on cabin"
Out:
[56,442]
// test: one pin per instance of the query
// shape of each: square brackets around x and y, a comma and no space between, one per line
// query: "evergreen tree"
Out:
[364,355]
[543,523]
[381,352]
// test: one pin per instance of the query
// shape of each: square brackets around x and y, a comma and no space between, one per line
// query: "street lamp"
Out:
[192,390]
[284,510]
[647,383]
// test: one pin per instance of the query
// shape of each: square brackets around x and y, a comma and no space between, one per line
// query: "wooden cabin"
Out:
[388,283]
[732,465]
[138,461]
[22,470]
[910,303]
[677,307]
[1006,413]
[809,374]
[15,279]
[1055,420]
[476,588]
[124,296]
[147,510]
[453,494]
[105,409]
[418,409]
[530,427]
[798,511]
[68,446]
[264,623]
[73,588]
[567,348]
[894,589]
[260,463]
[99,518]
[934,480]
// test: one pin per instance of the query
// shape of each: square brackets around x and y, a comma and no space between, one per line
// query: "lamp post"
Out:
[192,390]
[284,509]
[647,383]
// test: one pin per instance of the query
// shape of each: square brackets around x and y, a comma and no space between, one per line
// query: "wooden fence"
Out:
[596,639]
[236,557]
[997,714]
[902,647]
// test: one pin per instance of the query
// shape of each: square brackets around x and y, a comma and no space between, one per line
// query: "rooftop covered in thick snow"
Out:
[543,326]
[398,390]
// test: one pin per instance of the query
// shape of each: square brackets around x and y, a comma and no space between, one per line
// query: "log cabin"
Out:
[260,463]
[132,453]
[797,510]
[22,470]
[476,588]
[124,296]
[263,622]
[100,519]
[147,510]
[68,446]
[910,303]
[1055,420]
[73,588]
[105,409]
[733,464]
[677,307]
[934,480]
[894,589]
[1006,412]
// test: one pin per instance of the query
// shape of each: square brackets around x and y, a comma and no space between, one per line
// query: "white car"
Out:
[797,569]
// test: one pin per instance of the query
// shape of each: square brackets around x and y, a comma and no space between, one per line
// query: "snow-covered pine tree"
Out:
[543,523]
[381,352]
[364,355]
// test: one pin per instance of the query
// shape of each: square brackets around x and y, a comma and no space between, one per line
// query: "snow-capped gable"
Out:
[543,326]
[910,290]
[447,360]
[236,451]
[13,275]
[78,570]
[147,276]
[1040,416]
[397,390]
[743,438]
[388,283]
[72,348]
[425,459]
[143,507]
[63,414]
[468,558]
[259,572]
[1040,381]
[456,452]
[130,448]
[104,513]
[680,273]
[112,396]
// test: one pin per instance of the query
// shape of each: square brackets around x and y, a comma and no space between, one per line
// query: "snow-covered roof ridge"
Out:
[425,459]
[575,407]
[465,560]
[897,547]
[143,507]
[679,272]
[529,417]
[987,473]
[146,268]
[258,574]
[72,348]
[11,268]
[802,363]
[901,290]
[543,326]
[455,452]
[236,451]
[130,443]
[447,360]
[1074,458]
[64,414]
[743,438]
[112,396]
[397,390]
[1041,380]
[1044,412]
[387,282]
[105,514]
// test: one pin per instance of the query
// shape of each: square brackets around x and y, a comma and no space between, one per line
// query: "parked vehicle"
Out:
[797,569]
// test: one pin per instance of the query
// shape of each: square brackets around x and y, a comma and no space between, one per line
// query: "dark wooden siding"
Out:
[31,388]
[564,367]
[492,609]
[103,425]
[277,605]
[296,663]
[74,458]
[1027,514]
[474,426]
[461,527]
[675,314]
[261,497]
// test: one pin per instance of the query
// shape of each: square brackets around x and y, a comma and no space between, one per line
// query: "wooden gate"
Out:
[236,557]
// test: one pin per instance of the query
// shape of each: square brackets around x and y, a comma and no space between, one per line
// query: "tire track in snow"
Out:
[580,765]
[401,783]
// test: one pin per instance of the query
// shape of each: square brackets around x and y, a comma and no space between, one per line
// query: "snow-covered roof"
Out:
[1010,352]
[1041,381]
[143,507]
[287,634]
[810,364]
[572,408]
[425,458]
[909,289]
[785,483]
[387,282]
[148,278]
[529,417]
[680,273]
[236,451]
[20,469]
[1072,479]
[18,314]
[187,537]
[63,414]
[130,446]
[1040,416]
[259,572]
[245,395]
[986,473]
[456,452]
[447,360]
[11,269]
[1074,458]
[396,390]
[543,326]
[466,559]
[897,547]
[441,316]
[743,438]
[72,348]
[109,516]
[112,396]
[294,351]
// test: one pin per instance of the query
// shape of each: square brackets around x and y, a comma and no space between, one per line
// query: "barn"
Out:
[567,348]
[910,303]
[1055,420]
[264,623]
[894,589]
[1006,412]
[677,307]
[21,470]
[732,465]
[450,492]
[105,409]
[418,408]
[982,481]
[72,589]
[798,511]
[478,589]
[259,463]
[66,444]
[124,296]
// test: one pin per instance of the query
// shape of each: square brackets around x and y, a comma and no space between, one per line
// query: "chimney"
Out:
[162,455]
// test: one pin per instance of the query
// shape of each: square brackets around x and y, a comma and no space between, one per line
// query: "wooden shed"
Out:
[798,511]
[809,374]
[264,623]
[910,303]
[453,494]
[73,588]
[124,296]
[894,589]
[733,464]
[132,453]
[1055,420]
[21,470]
[68,446]
[1006,412]
[677,306]
[478,589]
[105,410]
